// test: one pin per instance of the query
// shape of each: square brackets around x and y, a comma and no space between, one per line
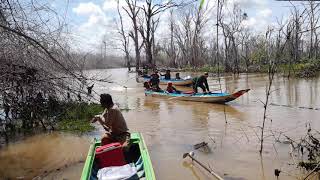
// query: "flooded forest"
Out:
[260,59]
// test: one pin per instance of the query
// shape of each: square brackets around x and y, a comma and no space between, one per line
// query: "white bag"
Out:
[117,172]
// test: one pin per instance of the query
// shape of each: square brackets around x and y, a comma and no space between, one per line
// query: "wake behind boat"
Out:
[199,97]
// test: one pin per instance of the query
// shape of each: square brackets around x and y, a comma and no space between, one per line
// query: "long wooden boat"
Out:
[136,154]
[187,81]
[200,97]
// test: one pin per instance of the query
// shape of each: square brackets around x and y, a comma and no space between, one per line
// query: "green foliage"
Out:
[309,69]
[201,4]
[258,57]
[75,126]
[76,117]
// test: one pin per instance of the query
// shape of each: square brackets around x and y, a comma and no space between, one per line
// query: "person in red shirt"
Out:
[172,89]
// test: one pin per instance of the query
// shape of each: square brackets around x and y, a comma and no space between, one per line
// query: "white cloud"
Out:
[111,5]
[96,23]
[265,13]
[251,22]
[258,11]
[249,3]
[100,19]
[87,8]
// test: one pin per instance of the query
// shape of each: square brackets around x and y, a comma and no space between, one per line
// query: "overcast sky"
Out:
[90,21]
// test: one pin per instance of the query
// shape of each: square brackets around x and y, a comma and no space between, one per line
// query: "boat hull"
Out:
[200,97]
[135,139]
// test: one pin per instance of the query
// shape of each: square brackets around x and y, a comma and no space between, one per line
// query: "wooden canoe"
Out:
[200,97]
[138,151]
[187,81]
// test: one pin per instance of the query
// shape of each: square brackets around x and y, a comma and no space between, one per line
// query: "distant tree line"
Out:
[196,38]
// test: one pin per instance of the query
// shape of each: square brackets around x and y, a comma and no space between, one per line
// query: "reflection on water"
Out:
[172,127]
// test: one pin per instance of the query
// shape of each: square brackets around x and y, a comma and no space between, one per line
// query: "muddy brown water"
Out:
[172,127]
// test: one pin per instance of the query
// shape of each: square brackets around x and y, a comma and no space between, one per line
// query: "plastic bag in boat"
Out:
[117,172]
[186,78]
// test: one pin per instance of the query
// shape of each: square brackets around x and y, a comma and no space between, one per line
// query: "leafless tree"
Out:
[150,10]
[230,31]
[132,11]
[197,41]
[275,51]
[125,39]
[183,36]
[36,63]
[188,34]
[245,36]
[313,16]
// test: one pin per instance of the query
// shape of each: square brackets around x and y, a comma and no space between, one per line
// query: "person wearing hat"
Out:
[201,82]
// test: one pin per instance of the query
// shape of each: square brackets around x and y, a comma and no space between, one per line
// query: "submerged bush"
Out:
[309,70]
[76,117]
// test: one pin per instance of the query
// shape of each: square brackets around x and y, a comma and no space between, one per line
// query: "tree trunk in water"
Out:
[148,38]
[128,61]
[149,54]
[136,44]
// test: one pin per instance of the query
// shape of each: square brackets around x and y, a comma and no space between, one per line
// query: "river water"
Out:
[171,128]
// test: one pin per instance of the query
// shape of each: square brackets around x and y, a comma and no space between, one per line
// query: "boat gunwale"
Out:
[86,172]
[135,138]
[209,98]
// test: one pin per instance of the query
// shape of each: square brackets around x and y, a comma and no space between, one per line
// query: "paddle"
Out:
[190,154]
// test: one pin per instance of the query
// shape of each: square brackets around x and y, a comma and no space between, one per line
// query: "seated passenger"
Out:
[147,86]
[152,85]
[178,76]
[154,80]
[172,89]
[112,121]
[167,75]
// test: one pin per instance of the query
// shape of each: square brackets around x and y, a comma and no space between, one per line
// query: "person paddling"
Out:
[112,121]
[201,82]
